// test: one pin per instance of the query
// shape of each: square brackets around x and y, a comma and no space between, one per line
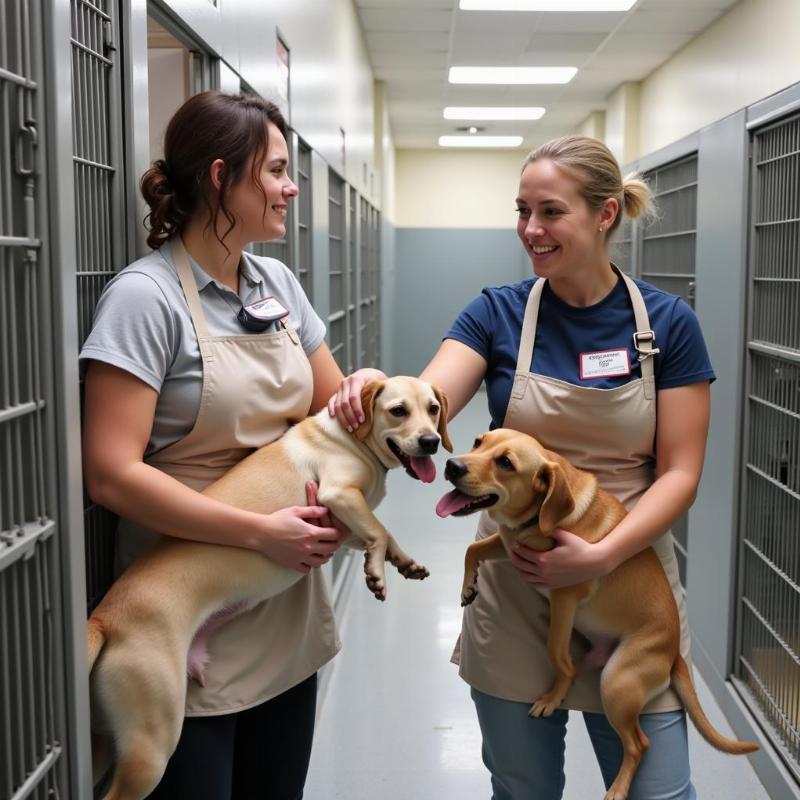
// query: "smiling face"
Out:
[262,206]
[559,231]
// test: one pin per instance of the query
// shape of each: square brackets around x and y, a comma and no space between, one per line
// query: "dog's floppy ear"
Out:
[558,503]
[441,399]
[369,394]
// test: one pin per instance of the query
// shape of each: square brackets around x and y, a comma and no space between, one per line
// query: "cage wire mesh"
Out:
[338,315]
[767,664]
[32,708]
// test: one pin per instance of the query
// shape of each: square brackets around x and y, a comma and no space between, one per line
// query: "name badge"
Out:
[268,309]
[605,364]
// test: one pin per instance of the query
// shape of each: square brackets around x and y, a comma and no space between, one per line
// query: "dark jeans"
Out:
[258,754]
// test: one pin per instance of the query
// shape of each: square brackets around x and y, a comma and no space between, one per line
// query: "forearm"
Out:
[659,507]
[151,498]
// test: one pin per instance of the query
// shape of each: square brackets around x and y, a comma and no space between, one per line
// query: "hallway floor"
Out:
[396,722]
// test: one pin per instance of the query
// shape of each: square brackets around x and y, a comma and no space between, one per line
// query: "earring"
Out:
[601,229]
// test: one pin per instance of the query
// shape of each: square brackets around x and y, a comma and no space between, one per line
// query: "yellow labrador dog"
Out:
[160,609]
[629,614]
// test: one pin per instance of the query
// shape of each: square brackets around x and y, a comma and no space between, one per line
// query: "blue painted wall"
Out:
[437,272]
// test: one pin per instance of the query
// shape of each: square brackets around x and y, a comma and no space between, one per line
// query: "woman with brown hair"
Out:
[535,345]
[201,352]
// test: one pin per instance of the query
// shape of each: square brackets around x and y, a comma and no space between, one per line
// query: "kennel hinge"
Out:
[20,543]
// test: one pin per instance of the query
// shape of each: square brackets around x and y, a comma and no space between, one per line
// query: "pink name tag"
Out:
[604,364]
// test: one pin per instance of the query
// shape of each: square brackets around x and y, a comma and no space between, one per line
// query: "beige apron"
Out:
[254,388]
[610,432]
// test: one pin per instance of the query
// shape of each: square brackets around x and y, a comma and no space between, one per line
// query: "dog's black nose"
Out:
[454,469]
[429,442]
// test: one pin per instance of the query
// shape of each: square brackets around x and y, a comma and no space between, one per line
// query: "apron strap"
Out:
[527,337]
[643,338]
[189,286]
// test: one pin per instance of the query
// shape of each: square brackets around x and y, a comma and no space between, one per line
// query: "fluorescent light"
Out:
[508,75]
[546,5]
[480,141]
[475,112]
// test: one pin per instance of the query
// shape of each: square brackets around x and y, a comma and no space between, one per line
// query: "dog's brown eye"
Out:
[504,462]
[434,409]
[398,411]
[476,443]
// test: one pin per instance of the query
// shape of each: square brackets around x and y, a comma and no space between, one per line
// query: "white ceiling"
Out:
[412,44]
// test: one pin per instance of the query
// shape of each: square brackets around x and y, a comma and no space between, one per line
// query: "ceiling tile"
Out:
[408,42]
[689,21]
[381,19]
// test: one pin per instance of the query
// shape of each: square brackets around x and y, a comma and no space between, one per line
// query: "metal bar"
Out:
[774,350]
[95,8]
[20,410]
[672,235]
[20,543]
[90,52]
[19,241]
[95,164]
[680,188]
[19,80]
[32,781]
[787,580]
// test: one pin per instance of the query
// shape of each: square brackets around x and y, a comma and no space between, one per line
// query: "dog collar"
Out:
[529,524]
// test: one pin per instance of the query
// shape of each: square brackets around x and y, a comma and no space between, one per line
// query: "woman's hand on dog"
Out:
[572,560]
[303,537]
[345,405]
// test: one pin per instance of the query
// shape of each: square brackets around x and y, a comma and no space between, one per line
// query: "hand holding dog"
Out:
[303,537]
[571,561]
[345,405]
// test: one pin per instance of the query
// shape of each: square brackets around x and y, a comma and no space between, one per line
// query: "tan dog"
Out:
[631,612]
[161,607]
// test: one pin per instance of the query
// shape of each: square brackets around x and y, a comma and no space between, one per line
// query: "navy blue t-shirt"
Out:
[492,324]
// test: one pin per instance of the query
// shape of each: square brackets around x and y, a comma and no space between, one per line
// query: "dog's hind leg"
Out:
[142,698]
[405,565]
[629,680]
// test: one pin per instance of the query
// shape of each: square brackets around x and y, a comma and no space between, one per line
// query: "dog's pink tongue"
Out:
[424,467]
[452,502]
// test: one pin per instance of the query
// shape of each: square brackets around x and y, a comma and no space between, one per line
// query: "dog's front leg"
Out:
[489,549]
[563,604]
[349,506]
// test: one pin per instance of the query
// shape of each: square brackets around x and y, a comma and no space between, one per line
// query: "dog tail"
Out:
[96,639]
[683,685]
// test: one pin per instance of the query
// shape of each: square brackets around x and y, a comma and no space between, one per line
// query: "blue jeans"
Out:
[525,756]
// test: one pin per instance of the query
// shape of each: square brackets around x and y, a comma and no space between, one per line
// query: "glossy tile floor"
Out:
[396,722]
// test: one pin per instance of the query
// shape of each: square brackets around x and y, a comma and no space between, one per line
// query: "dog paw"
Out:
[376,586]
[616,793]
[413,571]
[544,706]
[468,596]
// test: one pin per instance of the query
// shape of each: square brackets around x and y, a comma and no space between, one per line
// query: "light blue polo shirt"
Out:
[142,325]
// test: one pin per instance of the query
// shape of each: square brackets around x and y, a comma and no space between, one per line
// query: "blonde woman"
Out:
[639,421]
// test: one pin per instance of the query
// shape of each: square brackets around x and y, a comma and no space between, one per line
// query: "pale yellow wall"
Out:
[594,125]
[749,53]
[622,122]
[454,189]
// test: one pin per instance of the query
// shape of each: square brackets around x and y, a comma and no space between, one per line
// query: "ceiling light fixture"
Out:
[546,5]
[486,112]
[480,141]
[511,75]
